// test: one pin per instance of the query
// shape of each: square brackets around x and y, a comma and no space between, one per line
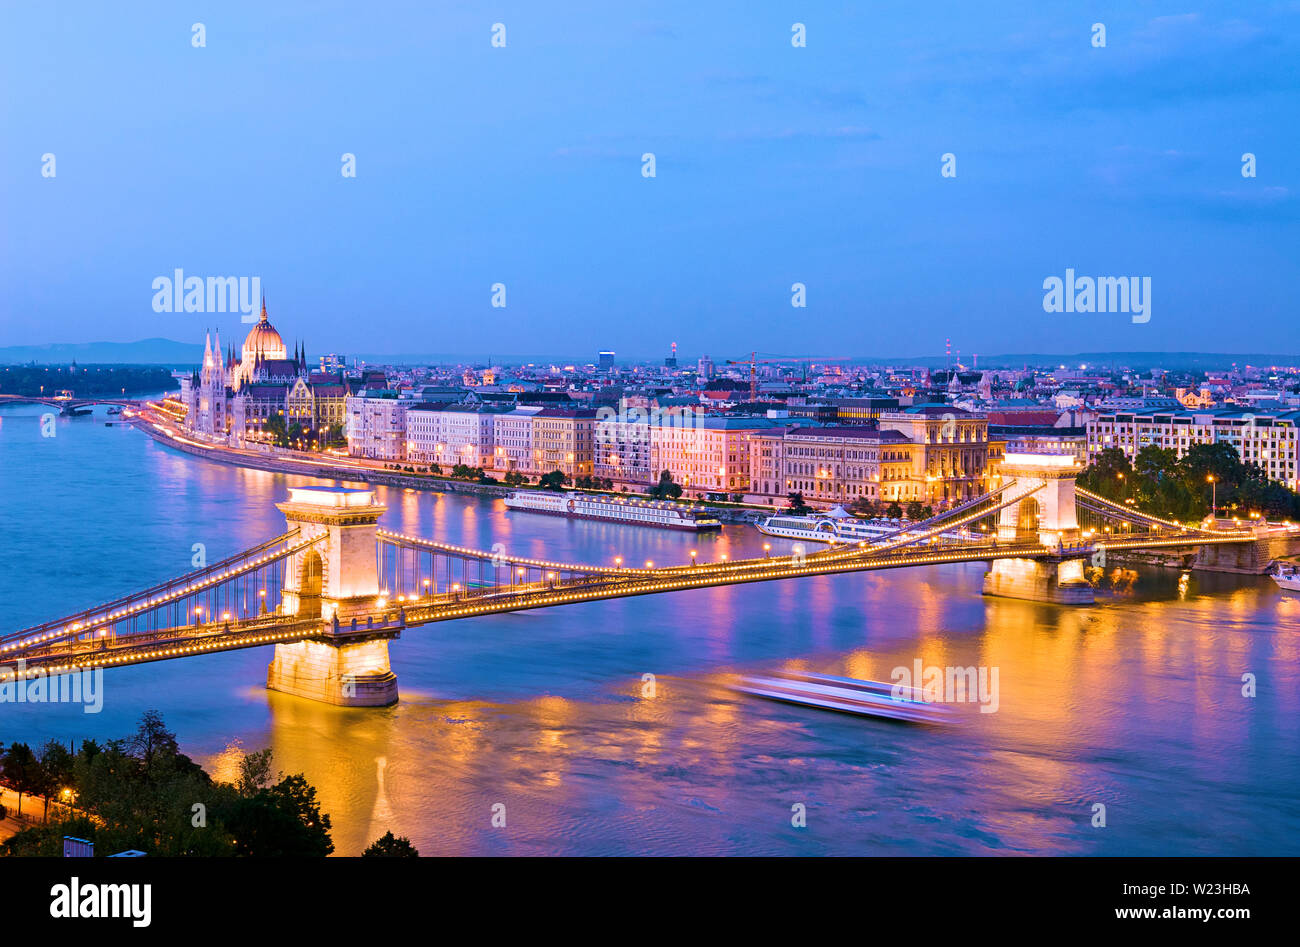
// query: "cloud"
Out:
[1166,61]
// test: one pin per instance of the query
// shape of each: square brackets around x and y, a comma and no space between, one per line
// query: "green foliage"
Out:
[665,489]
[143,793]
[555,480]
[894,511]
[390,846]
[275,427]
[86,381]
[864,506]
[278,821]
[797,504]
[466,472]
[22,771]
[1161,483]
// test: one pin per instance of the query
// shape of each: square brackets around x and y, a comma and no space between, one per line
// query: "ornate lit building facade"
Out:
[235,396]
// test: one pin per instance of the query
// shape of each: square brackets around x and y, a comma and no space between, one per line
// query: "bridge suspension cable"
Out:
[133,607]
[1100,505]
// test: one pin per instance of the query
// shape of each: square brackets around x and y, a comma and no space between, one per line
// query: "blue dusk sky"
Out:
[522,165]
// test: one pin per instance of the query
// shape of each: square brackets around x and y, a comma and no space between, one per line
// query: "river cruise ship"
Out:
[631,511]
[838,525]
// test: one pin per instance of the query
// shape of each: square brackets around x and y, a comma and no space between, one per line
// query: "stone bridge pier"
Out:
[1047,516]
[334,581]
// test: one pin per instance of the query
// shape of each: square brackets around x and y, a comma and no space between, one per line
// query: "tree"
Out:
[864,506]
[21,771]
[894,511]
[390,846]
[915,511]
[555,480]
[276,428]
[56,763]
[278,821]
[254,772]
[1107,474]
[141,792]
[797,504]
[665,489]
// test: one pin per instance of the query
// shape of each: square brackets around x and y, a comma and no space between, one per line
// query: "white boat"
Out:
[847,695]
[1287,577]
[838,525]
[633,512]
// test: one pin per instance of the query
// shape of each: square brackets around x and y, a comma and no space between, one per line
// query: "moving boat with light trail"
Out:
[846,695]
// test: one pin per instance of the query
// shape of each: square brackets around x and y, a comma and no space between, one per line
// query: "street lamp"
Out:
[1214,486]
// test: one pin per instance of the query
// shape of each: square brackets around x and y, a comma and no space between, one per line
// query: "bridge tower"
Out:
[335,580]
[1047,516]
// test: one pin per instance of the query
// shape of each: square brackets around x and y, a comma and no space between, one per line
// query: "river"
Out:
[1135,703]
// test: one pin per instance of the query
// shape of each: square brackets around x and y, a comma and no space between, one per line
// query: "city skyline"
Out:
[740,431]
[819,165]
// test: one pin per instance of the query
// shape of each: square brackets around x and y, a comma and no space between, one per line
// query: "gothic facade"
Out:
[234,396]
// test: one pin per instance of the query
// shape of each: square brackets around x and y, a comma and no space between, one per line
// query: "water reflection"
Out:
[1134,702]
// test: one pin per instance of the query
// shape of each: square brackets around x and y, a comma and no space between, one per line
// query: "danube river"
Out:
[1135,704]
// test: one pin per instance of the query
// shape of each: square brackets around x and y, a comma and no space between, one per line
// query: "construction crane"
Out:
[754,361]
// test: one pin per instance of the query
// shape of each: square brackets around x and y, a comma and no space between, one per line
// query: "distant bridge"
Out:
[333,589]
[65,405]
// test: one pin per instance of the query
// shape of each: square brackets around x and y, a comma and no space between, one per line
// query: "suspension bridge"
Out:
[332,590]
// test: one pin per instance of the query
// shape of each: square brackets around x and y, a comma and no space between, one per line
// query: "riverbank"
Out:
[432,483]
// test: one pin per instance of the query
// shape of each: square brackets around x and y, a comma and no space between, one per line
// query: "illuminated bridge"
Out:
[68,404]
[334,588]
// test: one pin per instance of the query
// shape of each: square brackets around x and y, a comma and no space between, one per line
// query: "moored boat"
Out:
[1287,577]
[628,510]
[838,525]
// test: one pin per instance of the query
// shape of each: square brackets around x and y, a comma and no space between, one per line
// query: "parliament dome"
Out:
[263,340]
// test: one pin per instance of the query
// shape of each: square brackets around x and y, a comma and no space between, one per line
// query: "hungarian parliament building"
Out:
[233,396]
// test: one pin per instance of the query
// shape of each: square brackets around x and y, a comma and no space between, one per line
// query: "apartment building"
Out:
[1264,438]
[451,434]
[564,439]
[709,456]
[513,434]
[829,466]
[376,425]
[625,441]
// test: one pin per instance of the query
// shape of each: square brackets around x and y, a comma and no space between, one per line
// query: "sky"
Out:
[774,165]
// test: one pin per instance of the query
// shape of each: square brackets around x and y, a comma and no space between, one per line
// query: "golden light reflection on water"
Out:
[1135,702]
[1069,682]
